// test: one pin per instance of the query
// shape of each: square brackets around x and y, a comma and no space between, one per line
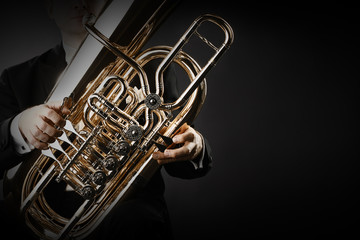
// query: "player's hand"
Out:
[191,146]
[38,124]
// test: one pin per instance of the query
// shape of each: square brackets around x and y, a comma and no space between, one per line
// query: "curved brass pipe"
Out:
[111,133]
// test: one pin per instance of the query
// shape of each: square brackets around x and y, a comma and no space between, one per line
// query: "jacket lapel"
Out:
[47,72]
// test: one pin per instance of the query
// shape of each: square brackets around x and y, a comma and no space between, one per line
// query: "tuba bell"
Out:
[118,118]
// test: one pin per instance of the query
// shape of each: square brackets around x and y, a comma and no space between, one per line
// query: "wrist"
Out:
[20,144]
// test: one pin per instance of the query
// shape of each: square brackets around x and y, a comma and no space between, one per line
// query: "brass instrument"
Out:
[116,122]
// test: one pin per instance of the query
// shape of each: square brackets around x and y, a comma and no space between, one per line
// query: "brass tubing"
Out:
[115,50]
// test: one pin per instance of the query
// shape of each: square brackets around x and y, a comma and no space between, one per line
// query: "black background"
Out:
[280,115]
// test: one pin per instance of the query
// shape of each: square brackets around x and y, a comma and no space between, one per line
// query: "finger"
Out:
[61,107]
[187,136]
[158,155]
[65,110]
[67,104]
[161,158]
[183,153]
[54,117]
[50,130]
[36,143]
[40,136]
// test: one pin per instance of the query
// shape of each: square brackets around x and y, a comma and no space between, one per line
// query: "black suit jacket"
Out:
[23,86]
[29,84]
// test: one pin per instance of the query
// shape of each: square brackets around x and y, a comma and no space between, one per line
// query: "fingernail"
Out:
[175,139]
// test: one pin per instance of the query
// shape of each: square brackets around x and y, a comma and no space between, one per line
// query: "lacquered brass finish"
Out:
[116,122]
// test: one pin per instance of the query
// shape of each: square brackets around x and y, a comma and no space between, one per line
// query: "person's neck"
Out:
[73,40]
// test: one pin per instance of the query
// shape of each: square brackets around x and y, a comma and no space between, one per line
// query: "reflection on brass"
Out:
[115,124]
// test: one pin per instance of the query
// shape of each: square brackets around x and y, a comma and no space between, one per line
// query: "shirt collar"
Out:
[69,52]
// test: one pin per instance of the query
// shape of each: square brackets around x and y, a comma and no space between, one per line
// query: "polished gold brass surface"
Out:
[116,122]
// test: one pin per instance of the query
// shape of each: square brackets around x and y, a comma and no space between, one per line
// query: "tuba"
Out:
[118,118]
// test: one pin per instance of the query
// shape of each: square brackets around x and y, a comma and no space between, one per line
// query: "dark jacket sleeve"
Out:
[8,156]
[8,110]
[22,86]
